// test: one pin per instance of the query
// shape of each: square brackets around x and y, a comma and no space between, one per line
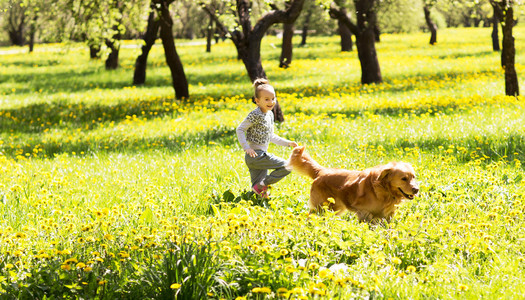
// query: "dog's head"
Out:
[400,179]
[296,158]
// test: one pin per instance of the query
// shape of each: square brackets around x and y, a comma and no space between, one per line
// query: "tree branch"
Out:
[289,15]
[339,14]
[224,30]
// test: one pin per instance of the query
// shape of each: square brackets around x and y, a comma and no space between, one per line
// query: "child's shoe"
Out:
[261,190]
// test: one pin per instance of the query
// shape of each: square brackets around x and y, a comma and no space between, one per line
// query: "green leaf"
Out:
[216,211]
[147,216]
[228,196]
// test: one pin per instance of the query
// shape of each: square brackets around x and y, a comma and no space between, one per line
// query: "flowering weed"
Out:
[113,191]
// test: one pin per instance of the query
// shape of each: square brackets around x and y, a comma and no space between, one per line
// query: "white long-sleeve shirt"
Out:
[256,131]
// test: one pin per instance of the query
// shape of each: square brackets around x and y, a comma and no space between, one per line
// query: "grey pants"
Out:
[260,165]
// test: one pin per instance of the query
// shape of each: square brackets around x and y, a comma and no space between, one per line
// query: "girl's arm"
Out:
[282,141]
[241,133]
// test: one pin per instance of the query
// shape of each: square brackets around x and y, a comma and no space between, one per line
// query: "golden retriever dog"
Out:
[372,194]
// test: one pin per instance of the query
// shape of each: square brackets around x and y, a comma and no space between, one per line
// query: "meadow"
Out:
[111,191]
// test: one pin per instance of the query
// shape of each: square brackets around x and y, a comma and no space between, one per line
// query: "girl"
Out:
[255,134]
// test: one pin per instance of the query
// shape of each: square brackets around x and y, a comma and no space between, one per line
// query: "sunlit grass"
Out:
[113,191]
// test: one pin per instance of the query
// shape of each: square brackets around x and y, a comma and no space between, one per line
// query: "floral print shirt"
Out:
[256,131]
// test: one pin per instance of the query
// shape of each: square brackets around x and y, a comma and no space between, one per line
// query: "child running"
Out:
[255,134]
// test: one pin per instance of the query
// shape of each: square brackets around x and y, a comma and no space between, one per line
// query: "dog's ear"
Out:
[298,150]
[384,172]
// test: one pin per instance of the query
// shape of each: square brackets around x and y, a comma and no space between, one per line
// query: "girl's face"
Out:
[266,100]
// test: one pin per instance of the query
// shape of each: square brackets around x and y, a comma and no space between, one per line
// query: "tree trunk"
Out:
[32,34]
[112,59]
[31,42]
[346,37]
[94,51]
[370,71]
[287,46]
[508,54]
[495,23]
[251,57]
[152,31]
[180,83]
[209,36]
[365,42]
[278,115]
[364,32]
[431,25]
[306,25]
[17,37]
[377,33]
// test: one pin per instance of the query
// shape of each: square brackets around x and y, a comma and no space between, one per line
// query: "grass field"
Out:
[111,191]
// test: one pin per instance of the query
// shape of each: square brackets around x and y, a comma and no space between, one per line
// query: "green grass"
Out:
[113,191]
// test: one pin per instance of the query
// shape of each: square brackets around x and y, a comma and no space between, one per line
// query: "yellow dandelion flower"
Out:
[70,260]
[396,260]
[325,273]
[20,235]
[380,260]
[462,287]
[175,286]
[297,290]
[411,269]
[81,265]
[284,252]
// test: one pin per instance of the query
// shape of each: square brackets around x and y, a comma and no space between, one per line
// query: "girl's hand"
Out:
[292,144]
[251,152]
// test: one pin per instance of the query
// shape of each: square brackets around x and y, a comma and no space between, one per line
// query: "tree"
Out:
[99,23]
[247,39]
[427,6]
[344,31]
[505,8]
[287,46]
[306,25]
[180,83]
[16,21]
[496,17]
[152,32]
[364,32]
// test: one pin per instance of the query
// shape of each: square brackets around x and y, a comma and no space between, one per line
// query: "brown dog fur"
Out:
[372,194]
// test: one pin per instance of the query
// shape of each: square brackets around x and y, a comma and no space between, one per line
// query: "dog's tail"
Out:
[302,163]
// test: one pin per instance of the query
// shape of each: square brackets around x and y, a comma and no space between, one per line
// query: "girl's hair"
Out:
[260,84]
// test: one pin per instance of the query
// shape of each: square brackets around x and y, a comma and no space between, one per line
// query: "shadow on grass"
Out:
[76,81]
[36,118]
[29,118]
[466,54]
[493,148]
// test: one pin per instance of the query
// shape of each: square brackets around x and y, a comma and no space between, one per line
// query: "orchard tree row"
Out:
[102,24]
